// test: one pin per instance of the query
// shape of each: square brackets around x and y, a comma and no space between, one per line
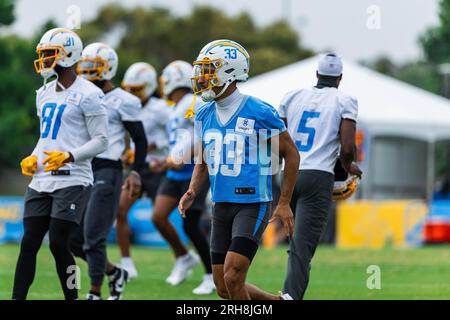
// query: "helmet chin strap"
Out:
[211,95]
[47,75]
[59,83]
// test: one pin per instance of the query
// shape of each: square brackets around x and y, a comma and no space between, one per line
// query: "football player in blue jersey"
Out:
[176,87]
[240,136]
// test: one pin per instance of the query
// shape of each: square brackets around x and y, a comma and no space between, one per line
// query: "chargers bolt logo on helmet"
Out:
[140,79]
[344,185]
[343,190]
[98,62]
[59,46]
[219,64]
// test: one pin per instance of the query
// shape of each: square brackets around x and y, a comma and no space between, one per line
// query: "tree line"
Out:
[158,36]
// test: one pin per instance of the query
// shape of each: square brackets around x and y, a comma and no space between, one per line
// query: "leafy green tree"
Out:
[6,12]
[147,34]
[436,40]
[19,127]
[158,37]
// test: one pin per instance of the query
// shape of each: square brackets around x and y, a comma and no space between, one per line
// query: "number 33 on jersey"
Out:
[237,153]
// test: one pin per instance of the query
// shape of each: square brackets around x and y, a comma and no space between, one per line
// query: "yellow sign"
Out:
[375,224]
[10,212]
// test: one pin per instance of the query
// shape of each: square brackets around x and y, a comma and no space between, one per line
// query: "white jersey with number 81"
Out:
[63,127]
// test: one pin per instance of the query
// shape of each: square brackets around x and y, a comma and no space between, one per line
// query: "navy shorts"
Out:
[238,227]
[177,188]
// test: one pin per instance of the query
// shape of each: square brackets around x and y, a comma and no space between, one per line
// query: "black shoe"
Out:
[93,296]
[117,282]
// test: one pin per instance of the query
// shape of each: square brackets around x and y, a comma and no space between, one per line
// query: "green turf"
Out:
[336,274]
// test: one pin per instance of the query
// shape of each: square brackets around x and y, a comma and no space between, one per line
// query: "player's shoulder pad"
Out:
[289,96]
[348,105]
[204,110]
[45,88]
[128,99]
[88,88]
[92,101]
[158,103]
[347,101]
[260,108]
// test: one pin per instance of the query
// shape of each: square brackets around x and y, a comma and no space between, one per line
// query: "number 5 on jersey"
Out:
[309,131]
[48,113]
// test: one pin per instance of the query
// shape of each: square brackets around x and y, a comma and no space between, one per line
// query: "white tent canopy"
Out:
[386,106]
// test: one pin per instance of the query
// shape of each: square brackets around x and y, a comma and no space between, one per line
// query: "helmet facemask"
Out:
[138,90]
[92,68]
[205,78]
[47,60]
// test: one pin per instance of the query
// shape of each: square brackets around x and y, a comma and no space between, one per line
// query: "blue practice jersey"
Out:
[238,152]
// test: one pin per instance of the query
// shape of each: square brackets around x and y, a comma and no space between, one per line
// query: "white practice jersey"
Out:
[63,116]
[155,117]
[313,121]
[121,106]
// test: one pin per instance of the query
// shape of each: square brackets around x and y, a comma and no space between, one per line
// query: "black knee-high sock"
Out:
[35,229]
[59,233]
[76,241]
[192,228]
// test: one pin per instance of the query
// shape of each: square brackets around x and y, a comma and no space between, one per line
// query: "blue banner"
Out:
[11,213]
[143,230]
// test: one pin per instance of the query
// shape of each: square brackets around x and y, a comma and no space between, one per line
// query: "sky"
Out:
[355,29]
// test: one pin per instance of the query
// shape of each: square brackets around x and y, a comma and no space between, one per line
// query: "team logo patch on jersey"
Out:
[245,125]
[74,98]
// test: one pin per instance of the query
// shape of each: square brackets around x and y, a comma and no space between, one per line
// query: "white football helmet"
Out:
[219,64]
[343,190]
[58,46]
[98,62]
[345,185]
[140,80]
[176,75]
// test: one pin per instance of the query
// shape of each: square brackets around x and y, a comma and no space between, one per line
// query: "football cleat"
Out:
[93,296]
[117,282]
[206,287]
[129,266]
[183,268]
[285,296]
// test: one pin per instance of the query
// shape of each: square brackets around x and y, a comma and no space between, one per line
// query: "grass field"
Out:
[336,274]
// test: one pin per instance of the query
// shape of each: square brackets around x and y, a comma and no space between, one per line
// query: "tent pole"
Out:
[430,170]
